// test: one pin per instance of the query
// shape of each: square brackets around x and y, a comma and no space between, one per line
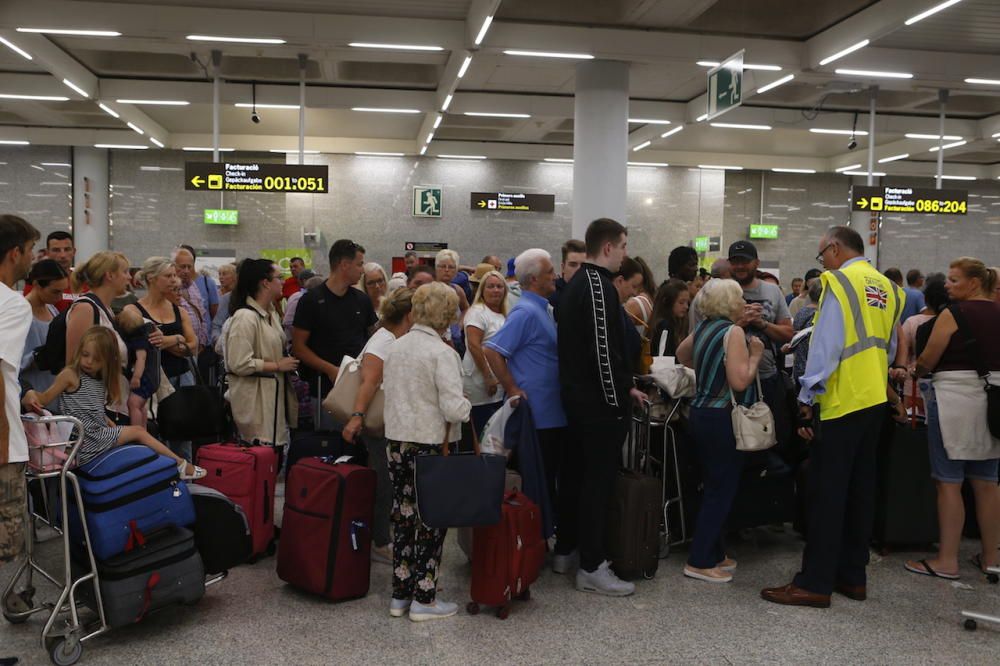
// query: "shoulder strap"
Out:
[971,343]
[98,307]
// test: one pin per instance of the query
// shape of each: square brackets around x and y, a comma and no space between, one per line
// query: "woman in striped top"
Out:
[717,350]
[90,382]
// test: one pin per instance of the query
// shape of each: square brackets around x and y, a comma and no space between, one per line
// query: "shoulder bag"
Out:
[979,359]
[193,411]
[340,400]
[753,426]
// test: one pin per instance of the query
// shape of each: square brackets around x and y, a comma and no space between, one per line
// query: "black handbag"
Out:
[460,489]
[992,392]
[193,411]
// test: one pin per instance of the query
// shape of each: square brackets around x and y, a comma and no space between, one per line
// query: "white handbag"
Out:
[753,426]
[677,380]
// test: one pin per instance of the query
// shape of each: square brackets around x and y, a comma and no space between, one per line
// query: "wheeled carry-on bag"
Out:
[125,490]
[165,570]
[317,443]
[221,530]
[465,534]
[507,557]
[633,525]
[325,545]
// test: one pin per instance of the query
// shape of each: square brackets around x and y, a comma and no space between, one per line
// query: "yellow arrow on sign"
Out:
[481,204]
[863,203]
[197,181]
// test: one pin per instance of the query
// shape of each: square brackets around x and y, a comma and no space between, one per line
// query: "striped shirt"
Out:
[713,389]
[87,403]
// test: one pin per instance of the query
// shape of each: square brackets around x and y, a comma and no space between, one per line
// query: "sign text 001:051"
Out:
[256,177]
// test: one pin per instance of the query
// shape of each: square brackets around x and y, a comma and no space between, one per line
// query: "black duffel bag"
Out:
[191,412]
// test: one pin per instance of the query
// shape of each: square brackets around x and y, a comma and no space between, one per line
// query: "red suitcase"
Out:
[507,557]
[325,545]
[247,475]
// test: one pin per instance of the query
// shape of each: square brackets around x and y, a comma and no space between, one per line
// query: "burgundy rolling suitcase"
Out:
[507,557]
[247,475]
[325,545]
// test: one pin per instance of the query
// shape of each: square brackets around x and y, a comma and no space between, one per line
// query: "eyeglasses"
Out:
[819,257]
[378,282]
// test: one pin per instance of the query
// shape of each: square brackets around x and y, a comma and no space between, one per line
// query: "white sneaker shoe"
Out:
[562,564]
[437,611]
[398,607]
[603,581]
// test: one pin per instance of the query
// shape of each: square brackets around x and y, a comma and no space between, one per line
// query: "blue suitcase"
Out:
[129,491]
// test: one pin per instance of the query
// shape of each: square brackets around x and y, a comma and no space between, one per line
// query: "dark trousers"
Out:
[840,500]
[721,466]
[776,397]
[599,446]
[562,476]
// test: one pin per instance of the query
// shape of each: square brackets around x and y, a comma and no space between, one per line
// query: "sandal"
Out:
[199,472]
[928,571]
[977,561]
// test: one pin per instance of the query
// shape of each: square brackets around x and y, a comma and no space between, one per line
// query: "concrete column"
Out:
[600,143]
[91,229]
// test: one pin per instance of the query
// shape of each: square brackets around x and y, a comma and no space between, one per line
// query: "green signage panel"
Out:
[701,243]
[256,177]
[909,200]
[725,86]
[769,231]
[427,200]
[283,257]
[221,216]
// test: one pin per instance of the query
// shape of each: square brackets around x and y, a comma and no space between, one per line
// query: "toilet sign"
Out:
[725,86]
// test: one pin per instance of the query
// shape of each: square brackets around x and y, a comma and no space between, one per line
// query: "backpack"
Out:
[52,355]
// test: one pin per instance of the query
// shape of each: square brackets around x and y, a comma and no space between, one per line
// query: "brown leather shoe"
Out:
[790,595]
[856,592]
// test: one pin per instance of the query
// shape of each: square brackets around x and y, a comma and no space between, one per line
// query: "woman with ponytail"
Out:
[107,276]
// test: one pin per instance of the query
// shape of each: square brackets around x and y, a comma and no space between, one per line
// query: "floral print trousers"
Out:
[416,548]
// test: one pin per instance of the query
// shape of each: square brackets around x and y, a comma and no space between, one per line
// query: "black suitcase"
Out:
[317,443]
[165,570]
[764,498]
[633,525]
[905,495]
[221,530]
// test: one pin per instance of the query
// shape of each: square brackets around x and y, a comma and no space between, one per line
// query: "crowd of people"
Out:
[449,343]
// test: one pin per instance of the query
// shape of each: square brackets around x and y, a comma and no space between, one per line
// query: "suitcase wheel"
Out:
[272,547]
[472,608]
[65,651]
[970,625]
[503,612]
[992,578]
[526,595]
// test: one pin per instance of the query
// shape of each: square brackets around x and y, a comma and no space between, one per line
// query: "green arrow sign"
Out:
[769,231]
[222,216]
[725,86]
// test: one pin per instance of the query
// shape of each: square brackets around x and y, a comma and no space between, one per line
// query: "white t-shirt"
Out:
[379,344]
[489,322]
[15,320]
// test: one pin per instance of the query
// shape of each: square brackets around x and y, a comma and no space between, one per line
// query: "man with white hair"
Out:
[524,356]
[191,299]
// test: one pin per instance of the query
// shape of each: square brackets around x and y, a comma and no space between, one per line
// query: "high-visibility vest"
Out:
[871,304]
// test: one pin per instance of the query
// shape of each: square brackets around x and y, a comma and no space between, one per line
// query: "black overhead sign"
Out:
[909,200]
[525,203]
[425,246]
[256,177]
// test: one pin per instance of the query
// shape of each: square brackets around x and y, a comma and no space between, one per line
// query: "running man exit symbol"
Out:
[426,201]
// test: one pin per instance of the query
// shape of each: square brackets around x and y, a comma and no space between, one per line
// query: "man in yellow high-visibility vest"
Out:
[845,385]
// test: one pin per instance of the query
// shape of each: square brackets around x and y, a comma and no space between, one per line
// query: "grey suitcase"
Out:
[165,570]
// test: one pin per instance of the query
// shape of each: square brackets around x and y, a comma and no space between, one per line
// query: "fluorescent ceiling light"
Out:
[649,121]
[35,166]
[154,102]
[958,178]
[672,132]
[852,167]
[862,173]
[549,54]
[56,164]
[763,68]
[482,31]
[366,153]
[496,115]
[81,33]
[135,128]
[996,136]
[234,40]
[934,137]
[15,48]
[375,109]
[902,156]
[840,54]
[701,118]
[430,137]
[648,164]
[36,98]
[159,144]
[642,145]
[463,157]
[293,150]
[741,126]
[120,146]
[774,84]
[246,105]
[561,160]
[933,10]
[159,168]
[75,88]
[465,66]
[874,74]
[395,47]
[787,170]
[423,150]
[984,82]
[948,145]
[447,102]
[823,130]
[108,110]
[14,142]
[206,149]
[717,166]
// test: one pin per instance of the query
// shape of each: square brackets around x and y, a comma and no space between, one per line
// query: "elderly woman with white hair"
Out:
[483,319]
[374,282]
[717,350]
[445,270]
[424,405]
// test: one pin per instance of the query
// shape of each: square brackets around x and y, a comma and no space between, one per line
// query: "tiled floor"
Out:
[254,618]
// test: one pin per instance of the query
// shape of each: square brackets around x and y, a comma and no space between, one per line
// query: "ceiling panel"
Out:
[971,26]
[443,9]
[536,79]
[776,18]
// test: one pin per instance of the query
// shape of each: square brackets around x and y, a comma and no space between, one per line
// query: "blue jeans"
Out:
[722,466]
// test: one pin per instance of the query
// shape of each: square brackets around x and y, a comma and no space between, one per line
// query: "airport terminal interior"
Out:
[271,129]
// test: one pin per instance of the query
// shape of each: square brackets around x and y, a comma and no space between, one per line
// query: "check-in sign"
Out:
[256,177]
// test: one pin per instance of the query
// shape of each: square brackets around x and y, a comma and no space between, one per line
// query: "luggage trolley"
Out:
[50,459]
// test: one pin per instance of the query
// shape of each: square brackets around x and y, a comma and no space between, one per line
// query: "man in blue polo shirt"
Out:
[524,356]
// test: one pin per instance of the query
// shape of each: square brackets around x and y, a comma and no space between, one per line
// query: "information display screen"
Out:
[256,177]
[513,201]
[909,200]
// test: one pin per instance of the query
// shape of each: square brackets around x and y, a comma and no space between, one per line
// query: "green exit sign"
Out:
[701,243]
[223,216]
[764,231]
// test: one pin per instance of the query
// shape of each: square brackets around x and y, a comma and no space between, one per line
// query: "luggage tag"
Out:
[355,526]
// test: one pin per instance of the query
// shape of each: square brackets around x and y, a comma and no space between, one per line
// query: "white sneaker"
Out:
[437,611]
[398,607]
[562,564]
[603,581]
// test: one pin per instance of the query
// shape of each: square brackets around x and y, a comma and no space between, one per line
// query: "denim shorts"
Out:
[945,469]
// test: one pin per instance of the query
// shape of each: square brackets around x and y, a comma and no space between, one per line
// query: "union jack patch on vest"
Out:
[877,298]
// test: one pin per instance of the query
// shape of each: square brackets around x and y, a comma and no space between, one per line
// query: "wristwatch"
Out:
[361,414]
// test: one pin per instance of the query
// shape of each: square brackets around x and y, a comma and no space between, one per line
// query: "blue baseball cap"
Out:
[510,267]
